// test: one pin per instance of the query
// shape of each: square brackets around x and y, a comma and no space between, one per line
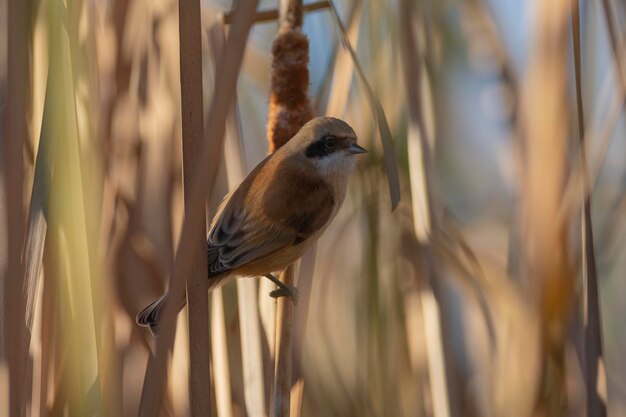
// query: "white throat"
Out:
[336,168]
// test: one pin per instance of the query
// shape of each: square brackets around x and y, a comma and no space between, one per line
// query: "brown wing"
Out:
[262,218]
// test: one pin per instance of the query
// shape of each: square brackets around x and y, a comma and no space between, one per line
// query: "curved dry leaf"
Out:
[391,165]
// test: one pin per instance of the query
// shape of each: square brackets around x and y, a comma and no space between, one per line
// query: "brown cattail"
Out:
[289,107]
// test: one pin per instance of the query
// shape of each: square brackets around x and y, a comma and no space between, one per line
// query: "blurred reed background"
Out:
[495,288]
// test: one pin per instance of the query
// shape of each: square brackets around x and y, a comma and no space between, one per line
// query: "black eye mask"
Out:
[325,146]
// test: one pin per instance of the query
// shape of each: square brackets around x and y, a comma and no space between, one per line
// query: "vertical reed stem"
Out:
[14,351]
[193,135]
[284,346]
[547,262]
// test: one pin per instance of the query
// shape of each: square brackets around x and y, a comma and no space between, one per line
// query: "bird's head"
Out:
[328,145]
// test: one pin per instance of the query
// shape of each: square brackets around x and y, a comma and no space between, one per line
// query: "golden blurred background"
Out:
[495,287]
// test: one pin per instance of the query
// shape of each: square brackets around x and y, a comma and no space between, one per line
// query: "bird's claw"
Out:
[291,292]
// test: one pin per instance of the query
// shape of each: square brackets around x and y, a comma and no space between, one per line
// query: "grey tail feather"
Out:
[149,316]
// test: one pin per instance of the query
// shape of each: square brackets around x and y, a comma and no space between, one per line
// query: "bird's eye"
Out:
[329,144]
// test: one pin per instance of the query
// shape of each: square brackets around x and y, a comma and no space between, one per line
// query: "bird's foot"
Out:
[283,290]
[291,292]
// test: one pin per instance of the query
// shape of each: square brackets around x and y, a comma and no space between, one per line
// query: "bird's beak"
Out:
[356,149]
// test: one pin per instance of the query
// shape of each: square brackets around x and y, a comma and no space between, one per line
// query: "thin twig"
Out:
[269,15]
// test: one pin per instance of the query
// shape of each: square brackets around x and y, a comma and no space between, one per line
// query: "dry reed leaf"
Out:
[37,223]
[381,120]
[73,241]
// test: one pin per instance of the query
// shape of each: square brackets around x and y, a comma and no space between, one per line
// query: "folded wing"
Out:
[260,219]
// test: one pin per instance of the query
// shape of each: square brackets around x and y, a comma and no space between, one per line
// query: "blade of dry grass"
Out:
[202,182]
[190,37]
[379,113]
[591,311]
[14,350]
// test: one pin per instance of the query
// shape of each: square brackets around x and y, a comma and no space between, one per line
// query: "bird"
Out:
[278,211]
